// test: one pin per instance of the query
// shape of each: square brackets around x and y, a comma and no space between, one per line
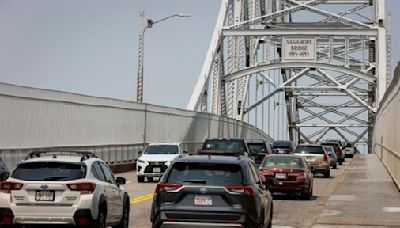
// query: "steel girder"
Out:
[246,77]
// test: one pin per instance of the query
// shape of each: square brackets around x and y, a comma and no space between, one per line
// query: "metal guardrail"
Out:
[391,160]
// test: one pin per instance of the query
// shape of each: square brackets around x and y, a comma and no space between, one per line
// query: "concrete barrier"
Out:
[36,119]
[386,138]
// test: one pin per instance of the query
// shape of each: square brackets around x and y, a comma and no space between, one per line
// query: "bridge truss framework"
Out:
[246,75]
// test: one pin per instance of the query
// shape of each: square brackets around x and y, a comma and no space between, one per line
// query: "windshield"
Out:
[209,174]
[309,150]
[232,145]
[256,148]
[282,161]
[49,171]
[161,149]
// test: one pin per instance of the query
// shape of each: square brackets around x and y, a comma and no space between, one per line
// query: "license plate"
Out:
[203,201]
[44,196]
[280,175]
[157,170]
[310,159]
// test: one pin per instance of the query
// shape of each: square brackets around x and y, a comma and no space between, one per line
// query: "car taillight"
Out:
[84,188]
[298,174]
[326,158]
[9,186]
[241,189]
[267,172]
[6,220]
[165,187]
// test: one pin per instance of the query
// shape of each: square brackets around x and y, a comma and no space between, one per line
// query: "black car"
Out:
[283,147]
[258,150]
[225,145]
[4,172]
[212,191]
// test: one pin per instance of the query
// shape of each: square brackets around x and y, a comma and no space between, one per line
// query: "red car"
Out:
[287,174]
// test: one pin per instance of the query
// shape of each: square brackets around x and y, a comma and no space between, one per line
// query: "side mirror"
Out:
[120,181]
[185,152]
[140,152]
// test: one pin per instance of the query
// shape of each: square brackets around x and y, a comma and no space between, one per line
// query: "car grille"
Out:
[161,165]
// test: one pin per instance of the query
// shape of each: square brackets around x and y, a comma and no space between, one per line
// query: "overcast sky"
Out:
[89,46]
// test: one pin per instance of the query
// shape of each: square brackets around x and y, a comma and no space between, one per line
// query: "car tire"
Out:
[150,179]
[100,222]
[340,162]
[140,179]
[124,223]
[327,174]
[335,166]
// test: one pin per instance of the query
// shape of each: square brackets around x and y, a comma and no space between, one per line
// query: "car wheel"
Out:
[140,179]
[335,166]
[101,219]
[124,223]
[327,174]
[150,179]
[340,162]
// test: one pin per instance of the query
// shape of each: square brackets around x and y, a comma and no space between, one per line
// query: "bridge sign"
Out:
[299,49]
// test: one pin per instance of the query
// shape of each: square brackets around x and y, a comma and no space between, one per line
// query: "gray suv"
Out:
[212,191]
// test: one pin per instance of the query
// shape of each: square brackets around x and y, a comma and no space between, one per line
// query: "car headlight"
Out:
[140,161]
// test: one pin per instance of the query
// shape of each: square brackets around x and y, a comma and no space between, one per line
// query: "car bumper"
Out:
[46,213]
[145,170]
[288,187]
[198,225]
[316,168]
[204,219]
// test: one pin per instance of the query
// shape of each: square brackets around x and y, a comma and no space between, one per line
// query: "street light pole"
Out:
[143,24]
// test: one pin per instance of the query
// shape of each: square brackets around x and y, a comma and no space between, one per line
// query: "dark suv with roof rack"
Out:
[221,146]
[212,191]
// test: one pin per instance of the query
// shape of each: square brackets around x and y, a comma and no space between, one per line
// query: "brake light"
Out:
[6,220]
[297,174]
[326,158]
[165,187]
[266,172]
[83,188]
[9,186]
[241,189]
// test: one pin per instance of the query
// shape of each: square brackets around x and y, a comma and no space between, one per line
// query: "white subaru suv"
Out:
[156,158]
[73,188]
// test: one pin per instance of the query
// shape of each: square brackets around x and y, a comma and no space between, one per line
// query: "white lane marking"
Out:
[342,198]
[330,213]
[391,209]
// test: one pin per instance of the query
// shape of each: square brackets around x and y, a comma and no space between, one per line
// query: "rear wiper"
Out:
[195,181]
[54,178]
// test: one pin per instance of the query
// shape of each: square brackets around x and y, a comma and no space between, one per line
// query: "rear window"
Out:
[232,145]
[256,148]
[282,161]
[49,171]
[282,144]
[161,149]
[309,150]
[208,174]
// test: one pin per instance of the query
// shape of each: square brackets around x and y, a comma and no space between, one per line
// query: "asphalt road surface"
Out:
[288,211]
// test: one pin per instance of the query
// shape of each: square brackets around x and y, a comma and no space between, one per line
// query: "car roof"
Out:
[309,145]
[164,143]
[214,159]
[284,155]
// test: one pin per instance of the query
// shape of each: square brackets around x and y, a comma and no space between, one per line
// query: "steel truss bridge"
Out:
[298,69]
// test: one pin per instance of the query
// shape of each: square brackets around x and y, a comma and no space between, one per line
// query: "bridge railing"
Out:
[391,160]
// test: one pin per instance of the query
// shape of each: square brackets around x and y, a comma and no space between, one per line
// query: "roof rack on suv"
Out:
[83,154]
